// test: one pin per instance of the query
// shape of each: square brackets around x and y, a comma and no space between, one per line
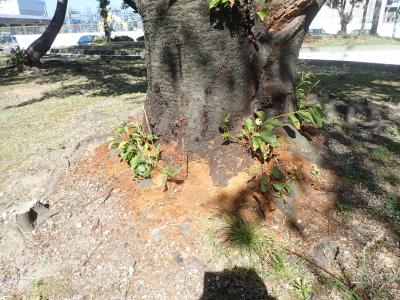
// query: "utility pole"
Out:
[396,17]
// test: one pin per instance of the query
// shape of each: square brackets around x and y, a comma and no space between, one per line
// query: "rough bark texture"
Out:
[202,67]
[43,44]
[375,18]
[364,16]
[104,14]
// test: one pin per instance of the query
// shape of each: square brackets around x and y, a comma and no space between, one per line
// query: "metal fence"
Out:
[70,28]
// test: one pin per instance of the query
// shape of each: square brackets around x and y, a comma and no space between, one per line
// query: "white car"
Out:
[8,42]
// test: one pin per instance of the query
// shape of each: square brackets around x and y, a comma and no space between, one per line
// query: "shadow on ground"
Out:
[238,283]
[87,77]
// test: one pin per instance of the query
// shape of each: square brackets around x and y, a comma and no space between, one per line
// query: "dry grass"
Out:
[44,111]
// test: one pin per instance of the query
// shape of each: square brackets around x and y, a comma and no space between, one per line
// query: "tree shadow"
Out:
[348,81]
[83,76]
[237,283]
[355,143]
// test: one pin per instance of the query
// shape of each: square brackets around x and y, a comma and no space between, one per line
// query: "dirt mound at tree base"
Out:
[197,195]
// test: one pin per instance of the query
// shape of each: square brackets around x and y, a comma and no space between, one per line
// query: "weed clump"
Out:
[137,148]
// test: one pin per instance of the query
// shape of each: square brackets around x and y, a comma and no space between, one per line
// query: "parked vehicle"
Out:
[86,39]
[8,42]
[140,39]
[316,31]
[358,32]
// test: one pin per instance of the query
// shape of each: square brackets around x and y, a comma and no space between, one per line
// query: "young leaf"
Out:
[276,172]
[274,122]
[295,121]
[306,115]
[248,124]
[261,115]
[256,143]
[270,138]
[287,187]
[262,14]
[213,3]
[277,186]
[226,135]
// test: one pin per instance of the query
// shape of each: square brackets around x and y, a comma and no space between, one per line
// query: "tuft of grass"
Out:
[392,205]
[344,209]
[48,288]
[392,131]
[244,235]
[303,288]
[393,180]
[356,174]
[380,154]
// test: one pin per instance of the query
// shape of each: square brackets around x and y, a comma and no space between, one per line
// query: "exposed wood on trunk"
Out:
[283,13]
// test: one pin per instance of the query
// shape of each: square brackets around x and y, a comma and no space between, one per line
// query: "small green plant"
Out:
[392,205]
[169,174]
[304,88]
[315,170]
[259,135]
[380,154]
[277,186]
[136,148]
[306,113]
[392,131]
[303,288]
[17,57]
[344,209]
[294,173]
[349,174]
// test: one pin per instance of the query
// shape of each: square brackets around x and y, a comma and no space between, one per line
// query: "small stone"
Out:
[147,213]
[78,225]
[197,263]
[178,258]
[186,228]
[155,233]
[144,184]
[131,270]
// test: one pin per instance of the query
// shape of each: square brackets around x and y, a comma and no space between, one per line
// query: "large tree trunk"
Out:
[43,44]
[364,17]
[375,18]
[103,7]
[343,27]
[203,67]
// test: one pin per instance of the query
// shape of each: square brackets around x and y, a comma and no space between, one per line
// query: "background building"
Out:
[23,12]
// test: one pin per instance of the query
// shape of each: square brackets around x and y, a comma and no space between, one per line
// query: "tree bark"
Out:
[43,44]
[104,14]
[364,17]
[204,66]
[375,18]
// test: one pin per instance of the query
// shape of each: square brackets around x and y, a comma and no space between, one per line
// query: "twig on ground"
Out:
[108,195]
[312,262]
[97,247]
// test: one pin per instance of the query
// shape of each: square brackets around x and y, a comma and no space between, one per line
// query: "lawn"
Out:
[348,41]
[44,111]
